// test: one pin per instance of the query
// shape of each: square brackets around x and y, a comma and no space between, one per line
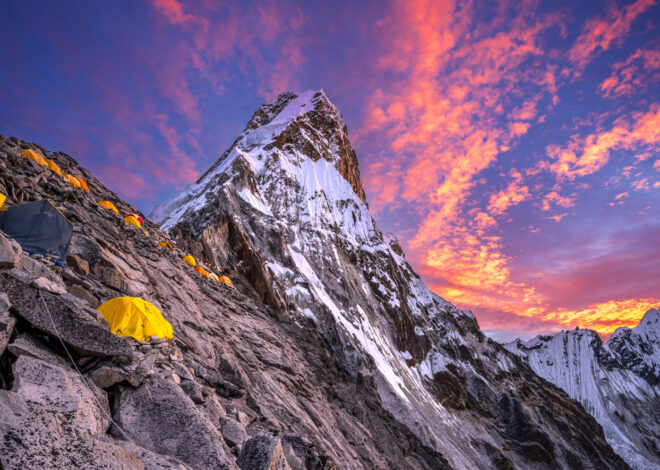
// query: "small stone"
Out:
[172,377]
[107,375]
[83,294]
[8,254]
[50,286]
[233,432]
[193,390]
[183,371]
[78,264]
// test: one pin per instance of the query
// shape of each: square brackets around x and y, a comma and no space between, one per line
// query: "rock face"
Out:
[616,382]
[283,209]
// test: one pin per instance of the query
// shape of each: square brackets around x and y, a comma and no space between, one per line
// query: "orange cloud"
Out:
[637,73]
[599,34]
[641,130]
[605,317]
[554,197]
[514,194]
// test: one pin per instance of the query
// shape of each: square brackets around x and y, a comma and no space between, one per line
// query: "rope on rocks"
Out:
[123,433]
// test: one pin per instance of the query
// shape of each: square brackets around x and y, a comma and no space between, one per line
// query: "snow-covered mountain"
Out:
[284,208]
[617,382]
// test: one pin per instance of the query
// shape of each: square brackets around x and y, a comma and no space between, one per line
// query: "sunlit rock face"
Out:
[616,382]
[284,208]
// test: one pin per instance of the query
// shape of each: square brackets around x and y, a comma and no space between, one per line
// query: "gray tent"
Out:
[38,227]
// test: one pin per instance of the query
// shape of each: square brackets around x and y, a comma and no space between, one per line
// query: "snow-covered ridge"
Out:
[614,381]
[276,119]
[284,205]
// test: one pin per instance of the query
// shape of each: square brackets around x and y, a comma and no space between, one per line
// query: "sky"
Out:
[513,147]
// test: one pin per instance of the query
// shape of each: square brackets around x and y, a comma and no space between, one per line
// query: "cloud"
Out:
[554,197]
[585,156]
[605,317]
[128,183]
[173,10]
[637,73]
[514,194]
[600,33]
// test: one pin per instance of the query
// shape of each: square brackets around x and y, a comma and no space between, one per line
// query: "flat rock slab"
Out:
[160,417]
[74,325]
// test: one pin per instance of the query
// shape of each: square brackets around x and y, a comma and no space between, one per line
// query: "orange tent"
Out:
[130,220]
[166,244]
[201,271]
[83,185]
[108,205]
[52,166]
[72,180]
[226,280]
[34,156]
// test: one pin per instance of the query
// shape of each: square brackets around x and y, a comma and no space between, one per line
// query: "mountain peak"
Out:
[651,318]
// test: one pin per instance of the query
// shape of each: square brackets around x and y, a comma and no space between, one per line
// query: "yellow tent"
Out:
[130,220]
[34,156]
[52,166]
[214,276]
[73,181]
[201,271]
[135,317]
[108,205]
[166,244]
[3,198]
[83,185]
[190,260]
[226,280]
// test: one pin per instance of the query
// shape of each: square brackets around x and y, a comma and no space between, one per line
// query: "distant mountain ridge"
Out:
[617,382]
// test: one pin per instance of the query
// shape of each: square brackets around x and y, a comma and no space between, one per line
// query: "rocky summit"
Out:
[327,352]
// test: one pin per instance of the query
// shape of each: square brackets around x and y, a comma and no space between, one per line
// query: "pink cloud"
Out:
[600,33]
[584,156]
[637,73]
[127,183]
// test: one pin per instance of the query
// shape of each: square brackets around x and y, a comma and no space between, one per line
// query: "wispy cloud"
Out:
[602,32]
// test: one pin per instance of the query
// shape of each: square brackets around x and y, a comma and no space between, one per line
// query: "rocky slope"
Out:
[617,382]
[284,208]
